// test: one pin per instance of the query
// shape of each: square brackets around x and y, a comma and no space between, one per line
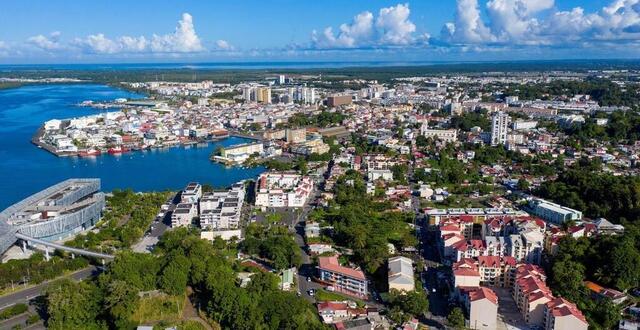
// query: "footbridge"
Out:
[56,246]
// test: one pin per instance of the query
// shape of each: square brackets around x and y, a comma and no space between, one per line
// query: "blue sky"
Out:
[194,31]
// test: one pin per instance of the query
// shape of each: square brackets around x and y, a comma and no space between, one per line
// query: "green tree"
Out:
[456,318]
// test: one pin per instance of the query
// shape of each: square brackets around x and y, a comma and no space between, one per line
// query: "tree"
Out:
[72,305]
[456,318]
[568,277]
[175,275]
[121,300]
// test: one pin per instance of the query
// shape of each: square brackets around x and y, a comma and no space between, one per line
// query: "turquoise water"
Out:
[26,169]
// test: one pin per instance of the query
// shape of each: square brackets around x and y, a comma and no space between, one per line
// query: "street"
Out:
[37,290]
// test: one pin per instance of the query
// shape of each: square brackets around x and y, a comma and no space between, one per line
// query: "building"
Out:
[315,146]
[386,175]
[481,305]
[191,193]
[183,215]
[342,279]
[281,189]
[54,213]
[263,95]
[400,274]
[499,128]
[552,212]
[522,125]
[338,100]
[445,135]
[531,294]
[560,314]
[240,153]
[222,209]
[296,135]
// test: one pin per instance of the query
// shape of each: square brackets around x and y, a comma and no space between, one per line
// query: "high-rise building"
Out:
[499,128]
[281,79]
[263,95]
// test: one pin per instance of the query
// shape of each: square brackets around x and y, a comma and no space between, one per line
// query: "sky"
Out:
[101,31]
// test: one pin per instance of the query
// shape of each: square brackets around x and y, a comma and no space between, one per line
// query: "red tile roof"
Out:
[331,264]
[483,293]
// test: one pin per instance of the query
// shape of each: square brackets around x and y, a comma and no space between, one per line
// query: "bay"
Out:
[25,169]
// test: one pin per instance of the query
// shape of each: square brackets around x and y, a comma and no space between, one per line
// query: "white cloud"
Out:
[356,34]
[223,45]
[538,22]
[183,40]
[468,27]
[50,43]
[391,27]
[395,25]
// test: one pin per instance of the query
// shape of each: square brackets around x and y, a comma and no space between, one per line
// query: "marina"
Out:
[25,168]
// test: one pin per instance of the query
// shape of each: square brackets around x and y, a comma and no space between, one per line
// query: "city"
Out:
[489,194]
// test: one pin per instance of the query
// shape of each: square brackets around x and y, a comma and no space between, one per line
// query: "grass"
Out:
[324,295]
[166,309]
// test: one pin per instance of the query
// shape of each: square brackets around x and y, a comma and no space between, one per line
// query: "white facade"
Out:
[276,189]
[223,209]
[499,128]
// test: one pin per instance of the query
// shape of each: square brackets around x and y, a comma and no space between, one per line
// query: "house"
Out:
[599,292]
[343,279]
[401,274]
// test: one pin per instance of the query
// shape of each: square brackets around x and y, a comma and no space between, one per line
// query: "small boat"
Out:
[89,153]
[117,150]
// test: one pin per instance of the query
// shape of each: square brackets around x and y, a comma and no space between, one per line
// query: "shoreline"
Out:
[36,140]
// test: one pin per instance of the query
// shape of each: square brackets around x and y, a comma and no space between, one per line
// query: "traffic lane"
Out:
[36,291]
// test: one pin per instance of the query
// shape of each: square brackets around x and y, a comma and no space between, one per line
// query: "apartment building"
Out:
[296,135]
[445,135]
[499,128]
[343,279]
[481,305]
[183,215]
[552,212]
[560,314]
[222,209]
[531,294]
[282,189]
[191,193]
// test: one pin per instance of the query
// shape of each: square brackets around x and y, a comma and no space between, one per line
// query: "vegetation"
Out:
[273,243]
[128,217]
[403,306]
[36,269]
[181,259]
[471,119]
[456,318]
[323,119]
[12,311]
[585,188]
[365,225]
[583,258]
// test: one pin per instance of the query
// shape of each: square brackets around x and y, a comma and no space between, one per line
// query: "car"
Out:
[308,279]
[298,294]
[330,288]
[312,292]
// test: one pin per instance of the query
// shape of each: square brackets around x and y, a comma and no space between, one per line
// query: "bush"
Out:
[13,311]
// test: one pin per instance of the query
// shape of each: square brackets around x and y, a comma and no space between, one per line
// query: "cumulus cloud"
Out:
[395,25]
[48,43]
[183,40]
[391,27]
[538,22]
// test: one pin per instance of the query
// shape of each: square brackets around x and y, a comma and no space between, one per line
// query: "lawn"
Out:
[167,309]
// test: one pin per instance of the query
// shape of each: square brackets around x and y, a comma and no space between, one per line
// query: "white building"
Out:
[374,175]
[183,215]
[222,209]
[552,212]
[401,274]
[280,189]
[192,193]
[446,135]
[499,128]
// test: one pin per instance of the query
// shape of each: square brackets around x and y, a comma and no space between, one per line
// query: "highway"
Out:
[37,290]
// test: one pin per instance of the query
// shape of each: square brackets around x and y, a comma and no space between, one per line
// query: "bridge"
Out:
[57,246]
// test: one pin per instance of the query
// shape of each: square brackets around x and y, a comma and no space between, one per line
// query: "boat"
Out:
[89,153]
[117,150]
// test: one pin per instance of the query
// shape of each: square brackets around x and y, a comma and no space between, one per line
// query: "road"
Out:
[37,290]
[158,227]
